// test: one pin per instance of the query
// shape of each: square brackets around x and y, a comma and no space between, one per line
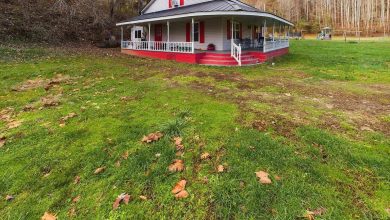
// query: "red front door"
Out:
[158,32]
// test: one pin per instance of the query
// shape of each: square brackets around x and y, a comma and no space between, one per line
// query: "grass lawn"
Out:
[318,121]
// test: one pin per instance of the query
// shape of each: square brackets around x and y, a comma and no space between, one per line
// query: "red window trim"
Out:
[181,2]
[170,3]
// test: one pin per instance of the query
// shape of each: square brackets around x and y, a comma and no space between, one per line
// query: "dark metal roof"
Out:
[210,6]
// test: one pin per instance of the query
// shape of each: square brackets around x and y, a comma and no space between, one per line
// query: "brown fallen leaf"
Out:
[99,170]
[76,199]
[143,198]
[152,137]
[263,177]
[125,155]
[126,199]
[118,163]
[48,216]
[77,180]
[179,147]
[2,141]
[180,186]
[278,178]
[66,118]
[176,166]
[9,198]
[220,169]
[182,194]
[309,215]
[72,212]
[177,140]
[122,197]
[205,156]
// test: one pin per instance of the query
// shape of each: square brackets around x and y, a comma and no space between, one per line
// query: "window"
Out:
[196,32]
[236,30]
[137,34]
[175,3]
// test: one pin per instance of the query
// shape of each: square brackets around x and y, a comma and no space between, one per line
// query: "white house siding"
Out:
[159,5]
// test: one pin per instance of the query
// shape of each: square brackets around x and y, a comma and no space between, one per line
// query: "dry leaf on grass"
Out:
[66,118]
[176,166]
[99,170]
[317,212]
[205,156]
[220,169]
[143,198]
[76,199]
[278,178]
[2,141]
[182,195]
[77,180]
[124,197]
[118,163]
[180,186]
[152,137]
[178,144]
[177,140]
[263,177]
[48,216]
[9,198]
[125,155]
[72,212]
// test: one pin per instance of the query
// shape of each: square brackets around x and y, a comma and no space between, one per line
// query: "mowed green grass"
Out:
[323,110]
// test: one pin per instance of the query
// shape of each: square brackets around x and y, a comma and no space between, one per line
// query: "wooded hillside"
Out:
[370,16]
[94,20]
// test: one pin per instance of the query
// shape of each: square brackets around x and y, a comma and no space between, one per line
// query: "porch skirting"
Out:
[209,57]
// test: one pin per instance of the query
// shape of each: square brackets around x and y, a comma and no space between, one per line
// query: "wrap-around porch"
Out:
[235,35]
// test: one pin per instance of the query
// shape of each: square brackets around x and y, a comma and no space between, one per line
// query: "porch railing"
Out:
[178,47]
[276,45]
[236,52]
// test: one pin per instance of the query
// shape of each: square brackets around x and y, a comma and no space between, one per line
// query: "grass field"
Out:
[318,121]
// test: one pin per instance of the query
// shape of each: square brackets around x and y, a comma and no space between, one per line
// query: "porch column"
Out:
[273,32]
[264,31]
[122,36]
[231,37]
[149,37]
[192,38]
[168,45]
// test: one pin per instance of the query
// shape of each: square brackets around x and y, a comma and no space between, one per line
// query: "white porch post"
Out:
[273,32]
[192,35]
[168,45]
[264,31]
[149,37]
[122,36]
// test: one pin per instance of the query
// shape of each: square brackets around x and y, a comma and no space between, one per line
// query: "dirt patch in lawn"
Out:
[42,83]
[293,102]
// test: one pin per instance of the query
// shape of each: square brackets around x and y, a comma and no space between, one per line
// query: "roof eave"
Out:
[215,13]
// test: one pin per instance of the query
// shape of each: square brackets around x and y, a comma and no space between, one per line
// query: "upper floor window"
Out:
[175,3]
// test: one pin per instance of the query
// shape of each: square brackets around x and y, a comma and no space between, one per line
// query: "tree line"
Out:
[94,20]
[372,17]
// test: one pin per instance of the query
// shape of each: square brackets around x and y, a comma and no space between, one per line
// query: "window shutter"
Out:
[201,24]
[188,32]
[170,3]
[240,30]
[181,2]
[228,30]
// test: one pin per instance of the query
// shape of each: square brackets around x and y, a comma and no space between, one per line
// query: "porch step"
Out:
[226,60]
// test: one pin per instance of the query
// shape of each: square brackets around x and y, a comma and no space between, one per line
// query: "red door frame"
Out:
[158,32]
